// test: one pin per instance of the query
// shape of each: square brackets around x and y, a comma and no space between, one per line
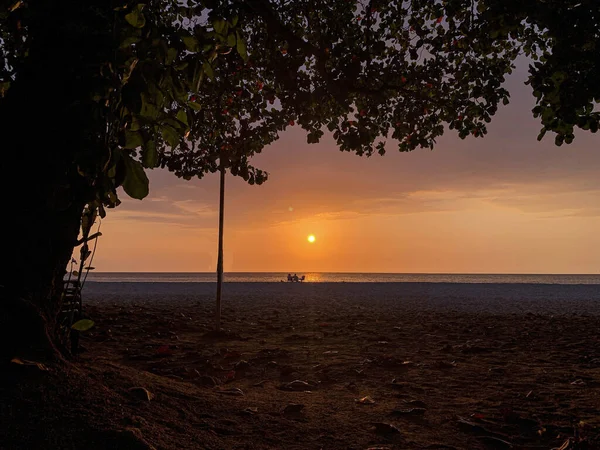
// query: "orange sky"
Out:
[502,204]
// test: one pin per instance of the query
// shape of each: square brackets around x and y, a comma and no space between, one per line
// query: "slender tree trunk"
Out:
[220,257]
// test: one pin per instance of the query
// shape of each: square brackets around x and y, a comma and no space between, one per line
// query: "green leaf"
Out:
[170,135]
[148,108]
[149,154]
[182,116]
[241,46]
[133,139]
[171,55]
[541,135]
[194,106]
[191,43]
[135,18]
[130,40]
[135,183]
[208,70]
[83,325]
[219,26]
[231,40]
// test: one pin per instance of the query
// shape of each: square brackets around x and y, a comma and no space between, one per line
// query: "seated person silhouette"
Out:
[295,277]
[290,277]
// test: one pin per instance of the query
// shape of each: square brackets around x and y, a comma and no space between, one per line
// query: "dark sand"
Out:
[447,366]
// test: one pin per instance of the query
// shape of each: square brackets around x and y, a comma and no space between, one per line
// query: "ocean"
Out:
[334,277]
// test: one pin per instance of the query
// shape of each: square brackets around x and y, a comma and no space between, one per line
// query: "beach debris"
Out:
[292,408]
[26,362]
[141,393]
[399,384]
[578,382]
[331,352]
[272,364]
[409,412]
[249,411]
[230,376]
[206,380]
[444,365]
[164,350]
[298,386]
[287,370]
[495,442]
[231,391]
[368,400]
[242,365]
[260,383]
[481,432]
[384,428]
[415,403]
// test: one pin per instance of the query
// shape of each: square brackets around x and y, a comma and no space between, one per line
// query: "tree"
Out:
[105,87]
[111,89]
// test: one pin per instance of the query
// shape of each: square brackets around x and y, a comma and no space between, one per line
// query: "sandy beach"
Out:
[367,365]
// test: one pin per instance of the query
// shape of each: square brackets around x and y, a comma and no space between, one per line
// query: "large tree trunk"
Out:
[44,124]
[42,240]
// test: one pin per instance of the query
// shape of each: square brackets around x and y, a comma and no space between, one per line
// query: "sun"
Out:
[311,238]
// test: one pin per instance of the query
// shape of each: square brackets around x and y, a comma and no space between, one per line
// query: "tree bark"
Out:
[44,123]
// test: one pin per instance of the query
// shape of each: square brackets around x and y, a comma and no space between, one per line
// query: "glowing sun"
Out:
[311,238]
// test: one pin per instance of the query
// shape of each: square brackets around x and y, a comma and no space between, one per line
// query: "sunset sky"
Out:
[502,204]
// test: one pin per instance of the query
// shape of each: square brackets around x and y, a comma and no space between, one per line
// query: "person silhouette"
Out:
[295,277]
[290,277]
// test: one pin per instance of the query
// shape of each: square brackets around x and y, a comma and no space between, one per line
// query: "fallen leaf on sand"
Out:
[164,350]
[25,362]
[292,408]
[206,380]
[409,412]
[232,391]
[250,411]
[141,393]
[297,385]
[365,400]
[415,403]
[230,375]
[242,365]
[385,428]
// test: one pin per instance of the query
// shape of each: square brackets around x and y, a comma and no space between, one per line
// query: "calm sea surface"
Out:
[325,277]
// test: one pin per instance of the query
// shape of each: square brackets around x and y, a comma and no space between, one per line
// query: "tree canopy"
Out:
[177,86]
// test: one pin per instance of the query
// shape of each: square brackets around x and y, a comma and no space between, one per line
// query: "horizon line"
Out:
[357,272]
